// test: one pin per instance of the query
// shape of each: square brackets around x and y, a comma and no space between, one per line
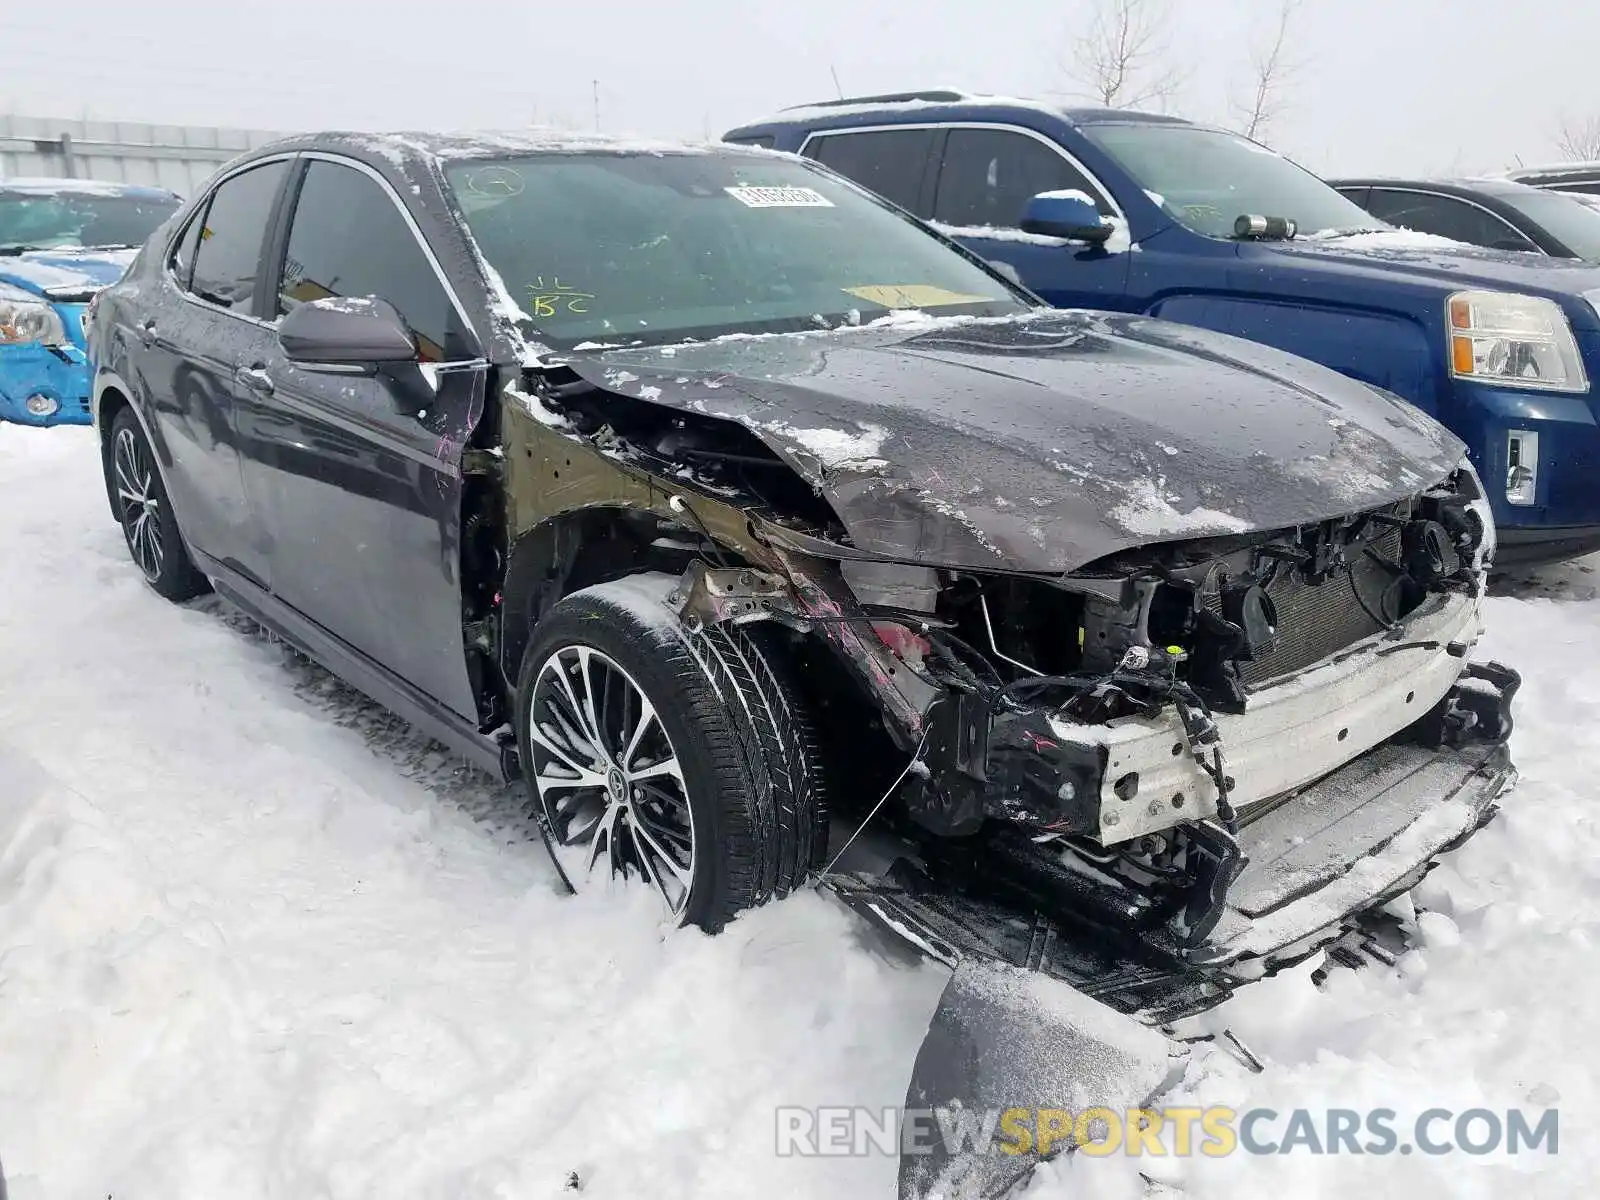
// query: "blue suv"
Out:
[61,241]
[1110,209]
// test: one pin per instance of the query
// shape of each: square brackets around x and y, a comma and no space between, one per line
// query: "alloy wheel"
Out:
[138,504]
[608,778]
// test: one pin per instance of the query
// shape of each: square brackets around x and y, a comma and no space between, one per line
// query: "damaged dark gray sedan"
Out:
[717,499]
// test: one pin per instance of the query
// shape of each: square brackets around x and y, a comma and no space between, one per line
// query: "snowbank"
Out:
[256,940]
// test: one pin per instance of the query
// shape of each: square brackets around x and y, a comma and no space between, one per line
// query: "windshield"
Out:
[1206,179]
[665,247]
[1570,219]
[39,220]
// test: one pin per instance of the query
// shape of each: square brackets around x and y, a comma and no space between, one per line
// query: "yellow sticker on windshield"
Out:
[912,295]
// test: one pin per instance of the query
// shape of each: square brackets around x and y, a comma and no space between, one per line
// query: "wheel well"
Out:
[595,545]
[111,403]
[580,548]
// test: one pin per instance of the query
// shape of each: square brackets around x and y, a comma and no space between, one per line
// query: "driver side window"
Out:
[349,239]
[989,175]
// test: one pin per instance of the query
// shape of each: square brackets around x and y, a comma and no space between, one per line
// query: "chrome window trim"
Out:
[1001,126]
[1412,191]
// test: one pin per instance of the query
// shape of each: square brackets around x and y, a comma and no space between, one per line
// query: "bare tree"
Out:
[1579,139]
[1122,57]
[1271,70]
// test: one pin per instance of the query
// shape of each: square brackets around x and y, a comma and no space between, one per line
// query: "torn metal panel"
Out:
[1047,442]
[550,473]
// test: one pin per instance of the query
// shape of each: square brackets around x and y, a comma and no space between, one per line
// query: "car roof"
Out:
[950,104]
[1466,187]
[40,185]
[409,147]
[1556,171]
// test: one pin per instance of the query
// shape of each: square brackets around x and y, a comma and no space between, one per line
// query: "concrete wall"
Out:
[179,157]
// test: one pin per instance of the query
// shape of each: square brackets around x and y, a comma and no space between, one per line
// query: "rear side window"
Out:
[890,162]
[1445,216]
[182,261]
[227,262]
[989,175]
[349,239]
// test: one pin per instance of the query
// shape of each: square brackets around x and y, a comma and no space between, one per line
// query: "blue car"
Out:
[61,241]
[1140,213]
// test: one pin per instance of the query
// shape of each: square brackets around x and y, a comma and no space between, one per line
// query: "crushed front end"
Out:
[1178,768]
[1115,786]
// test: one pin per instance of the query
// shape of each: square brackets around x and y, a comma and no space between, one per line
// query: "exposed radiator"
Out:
[1316,621]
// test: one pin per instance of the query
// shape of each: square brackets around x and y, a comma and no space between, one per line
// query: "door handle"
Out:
[256,379]
[147,332]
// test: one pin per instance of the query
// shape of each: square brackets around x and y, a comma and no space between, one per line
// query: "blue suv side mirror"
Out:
[1065,215]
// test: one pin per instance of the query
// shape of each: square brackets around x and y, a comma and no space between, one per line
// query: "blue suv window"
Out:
[989,175]
[890,162]
[1207,178]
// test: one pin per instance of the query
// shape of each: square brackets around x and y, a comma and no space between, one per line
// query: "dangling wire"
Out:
[916,761]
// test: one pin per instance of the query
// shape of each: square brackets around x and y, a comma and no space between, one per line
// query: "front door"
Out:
[358,475]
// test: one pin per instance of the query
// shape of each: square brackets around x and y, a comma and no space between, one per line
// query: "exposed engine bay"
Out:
[1078,741]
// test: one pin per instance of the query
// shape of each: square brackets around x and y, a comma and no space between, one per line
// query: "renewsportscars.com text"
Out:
[1181,1131]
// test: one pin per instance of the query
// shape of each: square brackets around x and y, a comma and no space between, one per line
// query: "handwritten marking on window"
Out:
[554,298]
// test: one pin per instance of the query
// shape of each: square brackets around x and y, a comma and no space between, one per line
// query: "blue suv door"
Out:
[972,182]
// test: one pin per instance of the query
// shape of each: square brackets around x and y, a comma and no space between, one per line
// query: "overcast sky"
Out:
[1385,85]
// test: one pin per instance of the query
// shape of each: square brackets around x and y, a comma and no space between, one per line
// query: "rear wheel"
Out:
[684,763]
[149,525]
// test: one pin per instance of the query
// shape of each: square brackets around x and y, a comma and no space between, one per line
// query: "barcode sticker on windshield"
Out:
[779,197]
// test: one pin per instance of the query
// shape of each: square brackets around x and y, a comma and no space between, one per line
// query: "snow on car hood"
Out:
[1044,443]
[58,272]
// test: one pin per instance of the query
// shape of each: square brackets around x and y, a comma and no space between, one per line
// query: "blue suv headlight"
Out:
[25,318]
[1514,341]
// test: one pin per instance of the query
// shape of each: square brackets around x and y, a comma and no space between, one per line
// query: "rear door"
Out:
[202,323]
[359,474]
[986,176]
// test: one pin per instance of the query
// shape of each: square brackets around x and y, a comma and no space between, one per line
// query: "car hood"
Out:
[1046,442]
[65,274]
[1395,255]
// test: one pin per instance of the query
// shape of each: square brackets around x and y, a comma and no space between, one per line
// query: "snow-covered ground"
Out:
[257,940]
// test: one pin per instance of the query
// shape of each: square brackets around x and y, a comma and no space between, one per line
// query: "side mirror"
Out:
[346,331]
[1065,215]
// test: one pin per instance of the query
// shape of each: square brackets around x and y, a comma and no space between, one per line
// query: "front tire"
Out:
[149,526]
[683,762]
